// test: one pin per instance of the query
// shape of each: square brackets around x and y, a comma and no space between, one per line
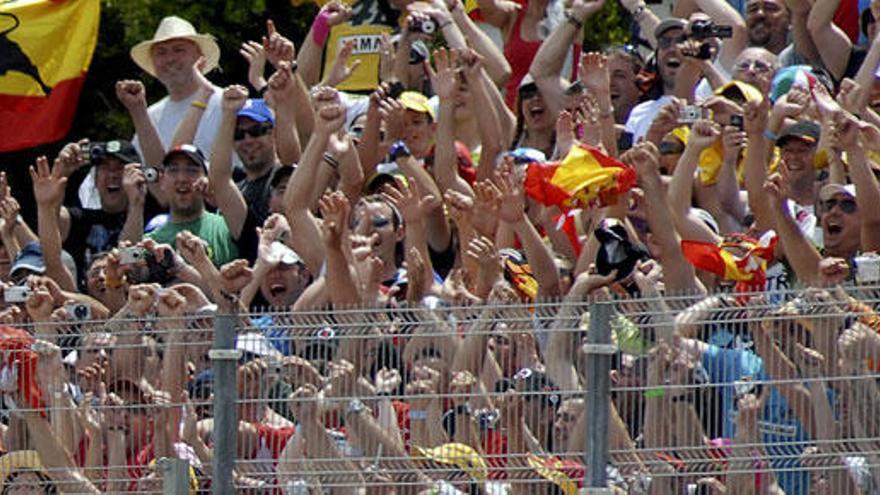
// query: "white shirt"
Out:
[166,114]
[642,115]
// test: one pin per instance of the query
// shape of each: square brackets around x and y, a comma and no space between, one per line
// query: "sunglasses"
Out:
[358,131]
[846,205]
[528,91]
[255,131]
[758,66]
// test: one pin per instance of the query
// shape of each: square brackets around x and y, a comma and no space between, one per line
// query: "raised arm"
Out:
[867,188]
[189,125]
[229,200]
[833,45]
[134,98]
[283,95]
[49,188]
[800,253]
[680,194]
[312,48]
[496,64]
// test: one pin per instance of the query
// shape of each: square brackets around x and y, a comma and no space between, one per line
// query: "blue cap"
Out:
[29,258]
[257,110]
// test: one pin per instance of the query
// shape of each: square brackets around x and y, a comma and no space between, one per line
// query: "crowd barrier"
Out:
[762,393]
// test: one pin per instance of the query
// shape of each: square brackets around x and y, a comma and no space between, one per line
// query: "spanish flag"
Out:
[585,177]
[45,50]
[738,258]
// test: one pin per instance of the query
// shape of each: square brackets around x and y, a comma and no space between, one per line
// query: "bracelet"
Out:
[573,20]
[331,160]
[199,104]
[654,392]
[772,136]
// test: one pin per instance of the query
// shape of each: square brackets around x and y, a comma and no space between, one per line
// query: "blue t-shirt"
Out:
[783,436]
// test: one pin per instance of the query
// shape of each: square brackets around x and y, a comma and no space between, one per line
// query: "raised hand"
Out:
[341,70]
[72,158]
[408,200]
[845,131]
[851,96]
[793,103]
[487,202]
[755,117]
[132,94]
[277,48]
[734,142]
[198,70]
[255,55]
[460,206]
[142,299]
[330,115]
[703,135]
[193,249]
[235,276]
[512,207]
[415,272]
[335,211]
[444,80]
[774,187]
[281,85]
[593,73]
[234,99]
[9,209]
[645,159]
[49,184]
[582,9]
[134,183]
[336,12]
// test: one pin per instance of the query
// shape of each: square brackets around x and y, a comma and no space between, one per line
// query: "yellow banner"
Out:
[45,42]
[366,49]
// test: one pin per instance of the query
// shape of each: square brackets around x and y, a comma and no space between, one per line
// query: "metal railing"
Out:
[714,394]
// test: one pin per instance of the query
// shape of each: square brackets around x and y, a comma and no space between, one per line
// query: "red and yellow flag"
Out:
[585,177]
[45,50]
[738,259]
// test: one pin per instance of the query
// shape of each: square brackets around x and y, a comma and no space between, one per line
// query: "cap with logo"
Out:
[257,110]
[828,191]
[804,130]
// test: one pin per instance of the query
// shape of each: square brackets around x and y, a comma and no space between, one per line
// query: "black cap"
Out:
[280,174]
[804,130]
[190,152]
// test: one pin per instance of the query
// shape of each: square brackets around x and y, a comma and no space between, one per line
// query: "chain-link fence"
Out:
[717,394]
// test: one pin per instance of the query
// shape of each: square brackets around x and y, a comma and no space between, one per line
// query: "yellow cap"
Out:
[417,102]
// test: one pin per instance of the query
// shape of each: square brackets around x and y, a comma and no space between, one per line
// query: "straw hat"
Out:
[170,28]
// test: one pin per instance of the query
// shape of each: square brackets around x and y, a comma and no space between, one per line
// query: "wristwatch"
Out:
[398,150]
[355,406]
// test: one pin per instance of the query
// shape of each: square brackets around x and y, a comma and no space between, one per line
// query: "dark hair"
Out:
[866,19]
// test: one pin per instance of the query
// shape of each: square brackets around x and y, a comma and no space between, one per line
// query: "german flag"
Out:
[45,50]
[585,177]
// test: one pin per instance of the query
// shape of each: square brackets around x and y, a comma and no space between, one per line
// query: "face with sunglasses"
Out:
[375,217]
[669,56]
[254,144]
[841,226]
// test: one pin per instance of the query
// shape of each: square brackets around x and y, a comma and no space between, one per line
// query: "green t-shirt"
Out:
[211,228]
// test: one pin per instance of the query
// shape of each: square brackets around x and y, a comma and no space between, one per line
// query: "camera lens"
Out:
[81,311]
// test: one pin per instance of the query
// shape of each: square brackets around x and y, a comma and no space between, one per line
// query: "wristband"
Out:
[654,392]
[321,28]
[199,104]
[573,20]
[772,136]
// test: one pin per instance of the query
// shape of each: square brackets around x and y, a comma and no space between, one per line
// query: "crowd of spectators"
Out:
[387,208]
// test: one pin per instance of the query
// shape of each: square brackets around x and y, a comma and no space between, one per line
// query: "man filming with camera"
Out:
[121,185]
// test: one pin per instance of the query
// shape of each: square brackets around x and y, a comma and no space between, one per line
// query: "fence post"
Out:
[598,392]
[224,360]
[175,475]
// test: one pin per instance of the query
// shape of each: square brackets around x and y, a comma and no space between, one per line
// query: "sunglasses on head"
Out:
[847,205]
[255,131]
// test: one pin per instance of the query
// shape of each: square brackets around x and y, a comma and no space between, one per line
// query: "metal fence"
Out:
[720,394]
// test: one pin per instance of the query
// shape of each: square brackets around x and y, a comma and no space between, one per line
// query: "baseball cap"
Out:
[804,130]
[667,24]
[188,151]
[828,191]
[417,102]
[739,90]
[118,148]
[385,174]
[30,259]
[281,253]
[257,110]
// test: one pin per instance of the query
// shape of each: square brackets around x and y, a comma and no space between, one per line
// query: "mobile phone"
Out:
[132,255]
[736,120]
[16,294]
[79,311]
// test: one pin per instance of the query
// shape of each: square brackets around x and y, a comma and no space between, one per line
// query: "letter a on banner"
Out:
[45,50]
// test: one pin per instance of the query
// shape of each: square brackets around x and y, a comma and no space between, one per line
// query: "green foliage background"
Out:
[124,23]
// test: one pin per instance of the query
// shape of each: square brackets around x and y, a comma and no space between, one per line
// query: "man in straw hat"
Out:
[179,57]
